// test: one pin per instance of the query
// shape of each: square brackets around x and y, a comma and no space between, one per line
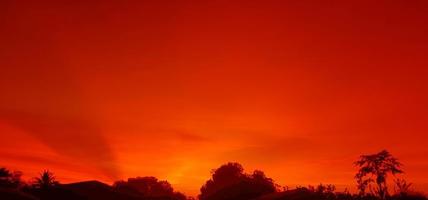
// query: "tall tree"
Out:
[374,169]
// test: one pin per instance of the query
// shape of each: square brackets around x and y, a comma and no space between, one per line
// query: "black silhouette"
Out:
[10,179]
[375,168]
[148,187]
[98,190]
[46,180]
[230,182]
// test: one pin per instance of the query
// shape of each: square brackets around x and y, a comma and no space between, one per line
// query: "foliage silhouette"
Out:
[46,180]
[402,187]
[327,192]
[149,187]
[230,182]
[10,179]
[374,168]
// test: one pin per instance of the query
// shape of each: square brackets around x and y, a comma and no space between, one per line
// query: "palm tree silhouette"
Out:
[46,180]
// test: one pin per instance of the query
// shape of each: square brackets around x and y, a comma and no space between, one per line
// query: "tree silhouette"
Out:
[229,182]
[375,168]
[46,180]
[149,187]
[10,179]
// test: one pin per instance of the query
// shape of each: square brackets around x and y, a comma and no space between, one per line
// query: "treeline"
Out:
[228,182]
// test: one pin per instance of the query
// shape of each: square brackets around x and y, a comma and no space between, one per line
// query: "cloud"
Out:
[76,139]
[45,101]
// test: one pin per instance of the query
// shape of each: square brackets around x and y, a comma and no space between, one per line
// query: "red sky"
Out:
[173,89]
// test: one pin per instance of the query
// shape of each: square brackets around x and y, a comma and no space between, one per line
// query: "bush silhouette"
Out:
[10,179]
[375,168]
[149,187]
[229,182]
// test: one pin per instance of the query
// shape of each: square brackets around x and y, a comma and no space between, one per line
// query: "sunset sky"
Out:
[173,89]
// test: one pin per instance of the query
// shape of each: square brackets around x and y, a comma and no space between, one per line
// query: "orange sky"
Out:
[173,89]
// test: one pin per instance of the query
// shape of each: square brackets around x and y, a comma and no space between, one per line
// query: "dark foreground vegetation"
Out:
[228,182]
